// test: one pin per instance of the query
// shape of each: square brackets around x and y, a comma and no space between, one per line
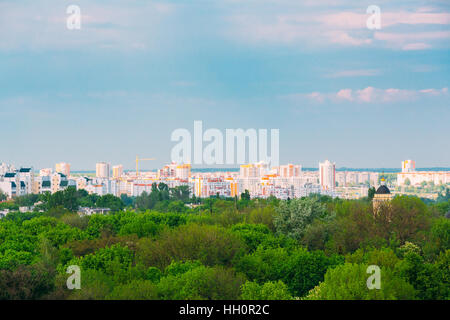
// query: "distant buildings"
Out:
[183,171]
[253,170]
[63,168]
[409,175]
[89,211]
[174,170]
[408,166]
[356,178]
[117,171]
[327,175]
[289,171]
[284,181]
[102,170]
[17,182]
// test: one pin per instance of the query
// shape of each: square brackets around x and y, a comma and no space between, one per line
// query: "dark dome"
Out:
[383,190]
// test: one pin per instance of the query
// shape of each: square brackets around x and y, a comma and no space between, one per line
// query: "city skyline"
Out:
[258,179]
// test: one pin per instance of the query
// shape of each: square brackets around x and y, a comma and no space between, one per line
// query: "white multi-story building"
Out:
[355,178]
[59,182]
[26,178]
[254,170]
[408,166]
[63,168]
[102,170]
[289,170]
[327,175]
[17,183]
[9,184]
[183,171]
[409,175]
[117,171]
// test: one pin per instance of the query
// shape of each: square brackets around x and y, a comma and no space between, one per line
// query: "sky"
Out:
[138,70]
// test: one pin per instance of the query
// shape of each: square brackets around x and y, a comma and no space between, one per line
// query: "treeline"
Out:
[67,200]
[310,248]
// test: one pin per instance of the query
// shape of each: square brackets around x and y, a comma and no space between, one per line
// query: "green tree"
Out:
[371,193]
[3,195]
[245,195]
[180,193]
[293,217]
[202,283]
[110,201]
[268,291]
[349,282]
[212,245]
[134,290]
[430,280]
[299,269]
[25,283]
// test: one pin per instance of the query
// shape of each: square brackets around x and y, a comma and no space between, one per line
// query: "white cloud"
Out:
[345,28]
[370,95]
[345,94]
[366,95]
[316,96]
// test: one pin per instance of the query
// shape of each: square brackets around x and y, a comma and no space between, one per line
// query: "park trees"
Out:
[349,282]
[293,217]
[212,245]
[268,291]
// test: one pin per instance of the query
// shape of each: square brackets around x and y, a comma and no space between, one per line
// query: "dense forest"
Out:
[167,245]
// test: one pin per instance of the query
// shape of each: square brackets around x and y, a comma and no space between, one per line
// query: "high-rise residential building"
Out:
[289,170]
[63,168]
[26,178]
[102,170]
[183,171]
[117,171]
[408,166]
[168,171]
[327,175]
[254,170]
[59,182]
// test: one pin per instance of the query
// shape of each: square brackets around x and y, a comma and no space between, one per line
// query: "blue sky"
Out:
[137,70]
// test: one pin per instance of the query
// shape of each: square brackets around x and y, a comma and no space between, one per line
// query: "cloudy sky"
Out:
[137,70]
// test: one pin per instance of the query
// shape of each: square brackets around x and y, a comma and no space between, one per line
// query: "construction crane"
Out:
[137,163]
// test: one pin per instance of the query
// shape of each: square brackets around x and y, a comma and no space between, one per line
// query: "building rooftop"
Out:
[383,190]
